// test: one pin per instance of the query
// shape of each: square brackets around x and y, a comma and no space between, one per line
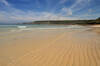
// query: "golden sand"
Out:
[50,47]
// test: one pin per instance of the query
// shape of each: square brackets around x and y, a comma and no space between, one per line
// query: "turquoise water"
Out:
[10,27]
[13,28]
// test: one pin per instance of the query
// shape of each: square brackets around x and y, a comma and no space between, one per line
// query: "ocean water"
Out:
[19,28]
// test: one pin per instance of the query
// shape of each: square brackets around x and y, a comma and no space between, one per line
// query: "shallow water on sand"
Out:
[18,28]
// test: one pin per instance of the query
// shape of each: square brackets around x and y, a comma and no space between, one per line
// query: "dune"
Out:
[55,47]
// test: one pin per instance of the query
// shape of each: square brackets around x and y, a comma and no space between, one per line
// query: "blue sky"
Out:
[31,10]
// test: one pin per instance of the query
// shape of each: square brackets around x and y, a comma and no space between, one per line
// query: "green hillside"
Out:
[81,22]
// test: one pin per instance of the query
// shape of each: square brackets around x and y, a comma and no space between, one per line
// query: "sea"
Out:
[20,28]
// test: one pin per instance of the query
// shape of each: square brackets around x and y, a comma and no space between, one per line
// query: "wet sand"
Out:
[51,47]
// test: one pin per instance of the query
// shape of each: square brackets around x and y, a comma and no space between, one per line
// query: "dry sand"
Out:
[55,47]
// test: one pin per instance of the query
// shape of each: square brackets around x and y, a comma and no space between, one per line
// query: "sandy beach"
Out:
[51,47]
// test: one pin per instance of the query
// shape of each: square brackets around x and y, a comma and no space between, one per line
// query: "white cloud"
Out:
[5,2]
[38,3]
[76,3]
[90,10]
[63,1]
[79,4]
[67,11]
[21,16]
[51,16]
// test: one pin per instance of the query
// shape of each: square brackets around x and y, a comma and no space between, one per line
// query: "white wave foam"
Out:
[51,28]
[22,27]
[25,28]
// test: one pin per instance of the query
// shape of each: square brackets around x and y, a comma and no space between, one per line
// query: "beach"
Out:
[70,46]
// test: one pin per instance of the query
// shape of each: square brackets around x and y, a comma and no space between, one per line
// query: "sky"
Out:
[16,11]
